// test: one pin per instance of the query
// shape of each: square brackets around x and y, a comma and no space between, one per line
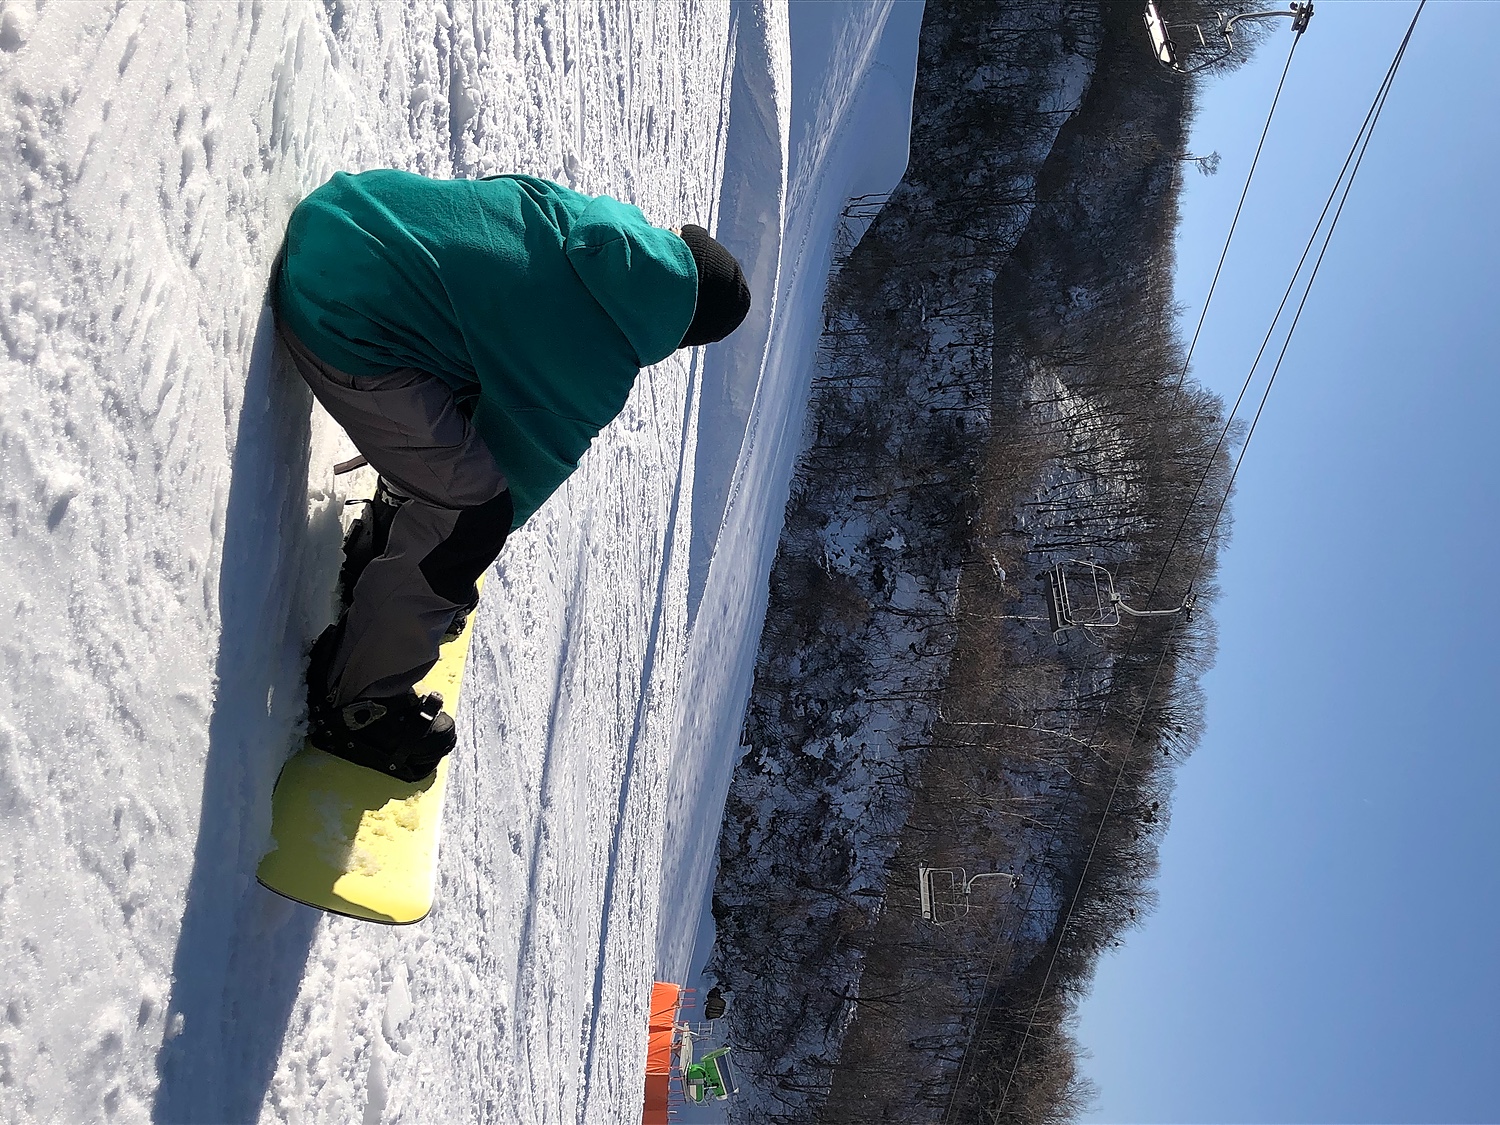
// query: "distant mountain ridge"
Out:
[1000,390]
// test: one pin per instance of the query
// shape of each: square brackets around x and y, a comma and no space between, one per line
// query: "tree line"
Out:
[1001,389]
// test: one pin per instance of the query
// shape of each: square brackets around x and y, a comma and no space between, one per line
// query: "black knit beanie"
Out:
[723,295]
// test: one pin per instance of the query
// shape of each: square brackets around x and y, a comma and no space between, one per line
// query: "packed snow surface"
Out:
[174,526]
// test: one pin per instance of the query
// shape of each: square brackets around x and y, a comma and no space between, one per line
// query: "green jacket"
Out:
[537,304]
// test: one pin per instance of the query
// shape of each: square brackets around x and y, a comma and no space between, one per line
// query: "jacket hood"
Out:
[642,276]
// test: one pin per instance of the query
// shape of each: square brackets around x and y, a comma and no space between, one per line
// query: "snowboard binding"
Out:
[401,736]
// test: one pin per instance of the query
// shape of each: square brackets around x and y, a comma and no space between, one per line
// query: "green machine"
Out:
[709,1077]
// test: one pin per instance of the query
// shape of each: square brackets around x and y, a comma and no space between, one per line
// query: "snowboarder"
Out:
[472,337]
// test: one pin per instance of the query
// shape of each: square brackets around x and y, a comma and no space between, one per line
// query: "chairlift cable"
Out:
[1187,362]
[974,1028]
[1208,300]
[1229,238]
[1361,144]
[1182,377]
[1203,315]
[1355,155]
[1362,138]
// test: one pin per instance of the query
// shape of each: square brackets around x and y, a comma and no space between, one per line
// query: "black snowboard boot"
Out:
[401,736]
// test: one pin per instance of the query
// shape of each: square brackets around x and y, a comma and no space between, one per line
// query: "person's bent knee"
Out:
[452,567]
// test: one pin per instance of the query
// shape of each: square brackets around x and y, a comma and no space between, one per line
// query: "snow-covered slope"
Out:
[174,528]
[172,537]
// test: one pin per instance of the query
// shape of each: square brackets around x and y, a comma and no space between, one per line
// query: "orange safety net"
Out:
[664,1001]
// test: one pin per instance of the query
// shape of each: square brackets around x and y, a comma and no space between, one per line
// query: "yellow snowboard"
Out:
[349,840]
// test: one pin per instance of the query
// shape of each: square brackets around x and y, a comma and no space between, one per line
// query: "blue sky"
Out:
[1325,945]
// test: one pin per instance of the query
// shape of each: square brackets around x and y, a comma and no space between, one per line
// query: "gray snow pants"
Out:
[449,527]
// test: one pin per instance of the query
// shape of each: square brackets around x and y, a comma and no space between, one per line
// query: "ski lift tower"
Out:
[1166,50]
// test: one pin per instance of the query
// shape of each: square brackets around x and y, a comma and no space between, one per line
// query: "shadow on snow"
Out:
[243,950]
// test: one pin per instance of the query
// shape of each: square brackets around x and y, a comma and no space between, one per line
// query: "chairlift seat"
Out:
[1108,605]
[1161,38]
[1166,50]
[1063,613]
[1059,608]
[710,1076]
[948,903]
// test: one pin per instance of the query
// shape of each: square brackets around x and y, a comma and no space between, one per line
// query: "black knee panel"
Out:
[453,566]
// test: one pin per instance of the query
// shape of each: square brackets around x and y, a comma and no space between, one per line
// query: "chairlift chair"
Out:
[1064,612]
[945,891]
[711,1076]
[1166,49]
